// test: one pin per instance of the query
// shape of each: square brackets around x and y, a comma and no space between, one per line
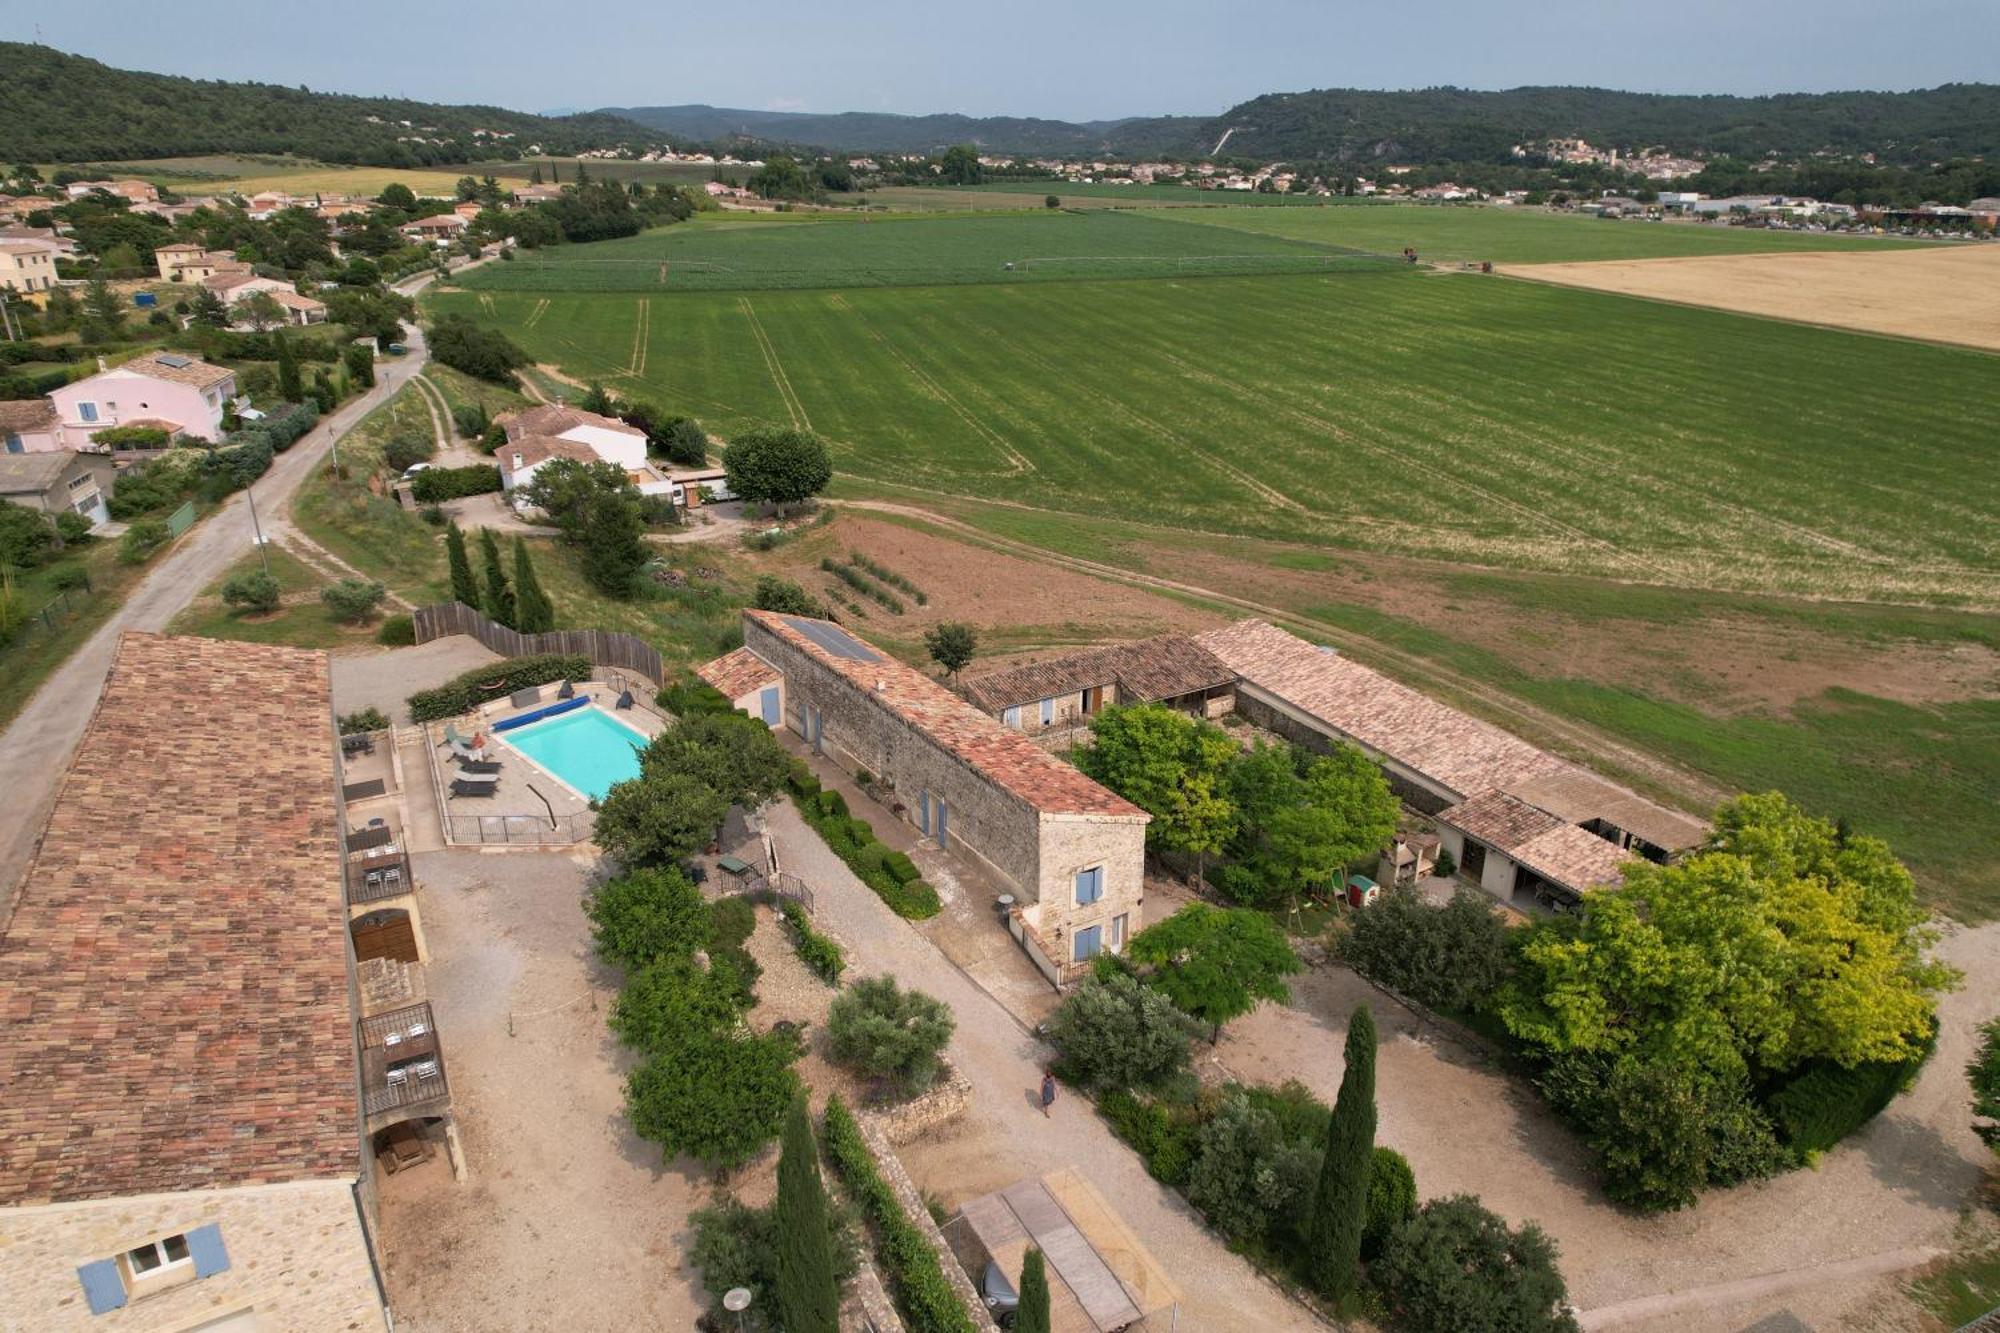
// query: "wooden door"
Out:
[393,938]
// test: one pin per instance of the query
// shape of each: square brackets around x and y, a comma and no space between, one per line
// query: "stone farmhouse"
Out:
[183,1085]
[1071,852]
[1518,821]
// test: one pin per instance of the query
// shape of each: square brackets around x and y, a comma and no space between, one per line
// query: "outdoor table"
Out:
[735,865]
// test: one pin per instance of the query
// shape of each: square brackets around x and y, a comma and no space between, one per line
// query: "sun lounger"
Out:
[480,766]
[473,787]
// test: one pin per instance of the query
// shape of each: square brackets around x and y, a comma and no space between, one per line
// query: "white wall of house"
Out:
[113,397]
[625,448]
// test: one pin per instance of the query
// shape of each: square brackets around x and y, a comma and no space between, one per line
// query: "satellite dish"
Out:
[736,1300]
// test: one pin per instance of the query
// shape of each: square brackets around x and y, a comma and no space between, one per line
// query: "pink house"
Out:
[28,426]
[183,393]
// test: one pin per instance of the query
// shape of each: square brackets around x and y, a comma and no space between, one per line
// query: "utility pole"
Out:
[6,318]
[257,529]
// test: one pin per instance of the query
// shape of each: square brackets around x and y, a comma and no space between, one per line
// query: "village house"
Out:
[181,1116]
[1067,691]
[182,262]
[27,266]
[443,227]
[235,288]
[180,392]
[537,435]
[1069,852]
[28,426]
[59,481]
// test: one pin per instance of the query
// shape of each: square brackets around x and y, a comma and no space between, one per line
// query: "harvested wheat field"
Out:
[1940,293]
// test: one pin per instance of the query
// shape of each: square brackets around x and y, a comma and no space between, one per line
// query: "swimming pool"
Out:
[587,750]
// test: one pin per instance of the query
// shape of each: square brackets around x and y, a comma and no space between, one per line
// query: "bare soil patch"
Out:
[1938,294]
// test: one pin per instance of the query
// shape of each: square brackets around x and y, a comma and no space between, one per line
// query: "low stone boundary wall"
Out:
[870,1310]
[912,1200]
[911,1120]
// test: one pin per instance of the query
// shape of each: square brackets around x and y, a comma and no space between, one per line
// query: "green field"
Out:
[1462,233]
[1470,419]
[732,255]
[1153,194]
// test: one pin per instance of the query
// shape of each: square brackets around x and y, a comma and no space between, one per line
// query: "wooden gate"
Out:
[392,937]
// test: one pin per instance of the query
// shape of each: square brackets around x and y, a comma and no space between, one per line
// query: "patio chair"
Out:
[568,690]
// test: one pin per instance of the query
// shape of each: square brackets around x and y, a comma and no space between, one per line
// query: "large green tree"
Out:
[1339,1216]
[1216,963]
[808,1292]
[290,387]
[781,467]
[1172,766]
[1787,941]
[1031,1315]
[645,915]
[499,604]
[658,821]
[1456,1266]
[464,586]
[1303,819]
[534,613]
[599,512]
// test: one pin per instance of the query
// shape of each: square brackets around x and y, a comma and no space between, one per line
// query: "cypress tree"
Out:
[533,610]
[289,387]
[1033,1314]
[535,178]
[1340,1204]
[464,587]
[808,1292]
[499,603]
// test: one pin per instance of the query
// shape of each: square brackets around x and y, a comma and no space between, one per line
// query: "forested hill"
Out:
[1424,126]
[56,107]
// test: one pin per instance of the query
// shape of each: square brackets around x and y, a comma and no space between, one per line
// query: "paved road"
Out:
[35,749]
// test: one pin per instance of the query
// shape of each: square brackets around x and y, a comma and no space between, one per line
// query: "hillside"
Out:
[1423,126]
[866,131]
[63,108]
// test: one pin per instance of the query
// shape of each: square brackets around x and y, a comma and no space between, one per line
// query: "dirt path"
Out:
[1761,1288]
[439,410]
[1697,791]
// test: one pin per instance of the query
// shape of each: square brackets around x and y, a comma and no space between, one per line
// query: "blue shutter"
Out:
[1089,942]
[1048,711]
[205,1248]
[103,1286]
[769,702]
[924,812]
[1089,885]
[1012,717]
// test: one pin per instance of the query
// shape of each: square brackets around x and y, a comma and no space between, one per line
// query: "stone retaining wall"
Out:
[912,1201]
[945,1102]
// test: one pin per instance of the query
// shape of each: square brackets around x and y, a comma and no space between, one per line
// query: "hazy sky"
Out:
[1073,59]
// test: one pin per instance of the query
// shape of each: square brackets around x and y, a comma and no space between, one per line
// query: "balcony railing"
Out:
[402,1064]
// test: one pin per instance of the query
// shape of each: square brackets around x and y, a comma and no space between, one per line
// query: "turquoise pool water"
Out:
[586,749]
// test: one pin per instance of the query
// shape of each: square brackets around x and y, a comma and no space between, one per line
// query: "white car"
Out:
[414,468]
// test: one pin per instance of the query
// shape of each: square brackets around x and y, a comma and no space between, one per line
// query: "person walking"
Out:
[1048,1092]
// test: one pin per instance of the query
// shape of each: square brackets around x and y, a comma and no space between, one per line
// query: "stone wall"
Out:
[912,1201]
[859,731]
[945,1102]
[297,1257]
[1077,842]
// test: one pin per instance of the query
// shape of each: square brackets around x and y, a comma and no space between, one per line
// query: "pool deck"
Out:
[529,805]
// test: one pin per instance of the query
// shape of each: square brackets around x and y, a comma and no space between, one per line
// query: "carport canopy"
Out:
[1100,1278]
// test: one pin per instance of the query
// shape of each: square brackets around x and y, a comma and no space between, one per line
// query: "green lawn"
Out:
[302,622]
[1470,233]
[36,651]
[890,250]
[1092,192]
[1473,420]
[363,524]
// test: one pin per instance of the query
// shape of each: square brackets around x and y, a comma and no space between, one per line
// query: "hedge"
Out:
[282,427]
[923,1295]
[1164,1141]
[236,466]
[691,696]
[854,842]
[131,437]
[466,692]
[815,950]
[437,484]
[1825,1102]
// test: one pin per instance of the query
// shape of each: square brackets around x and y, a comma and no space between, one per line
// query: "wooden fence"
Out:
[606,648]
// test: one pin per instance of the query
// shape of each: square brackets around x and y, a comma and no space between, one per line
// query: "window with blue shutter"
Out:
[1013,717]
[1089,943]
[103,1286]
[205,1247]
[1089,885]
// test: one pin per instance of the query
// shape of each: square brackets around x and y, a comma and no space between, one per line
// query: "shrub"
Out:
[282,427]
[646,915]
[1822,1103]
[26,537]
[901,868]
[367,719]
[833,803]
[736,1245]
[1456,1266]
[408,449]
[353,600]
[145,536]
[889,1034]
[1392,1198]
[854,842]
[69,578]
[131,437]
[1164,1139]
[495,680]
[397,631]
[718,1099]
[1452,958]
[1247,1178]
[235,466]
[470,420]
[924,1297]
[469,347]
[254,591]
[675,998]
[1117,1032]
[775,594]
[818,952]
[72,527]
[691,695]
[438,484]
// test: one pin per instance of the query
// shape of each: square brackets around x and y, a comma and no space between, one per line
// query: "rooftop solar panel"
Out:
[176,361]
[833,638]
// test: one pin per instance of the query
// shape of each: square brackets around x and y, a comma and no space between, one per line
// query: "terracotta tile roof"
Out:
[1578,796]
[225,282]
[25,247]
[27,415]
[526,451]
[1461,752]
[1002,756]
[174,1009]
[739,673]
[31,474]
[555,418]
[1151,669]
[293,301]
[1561,853]
[196,372]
